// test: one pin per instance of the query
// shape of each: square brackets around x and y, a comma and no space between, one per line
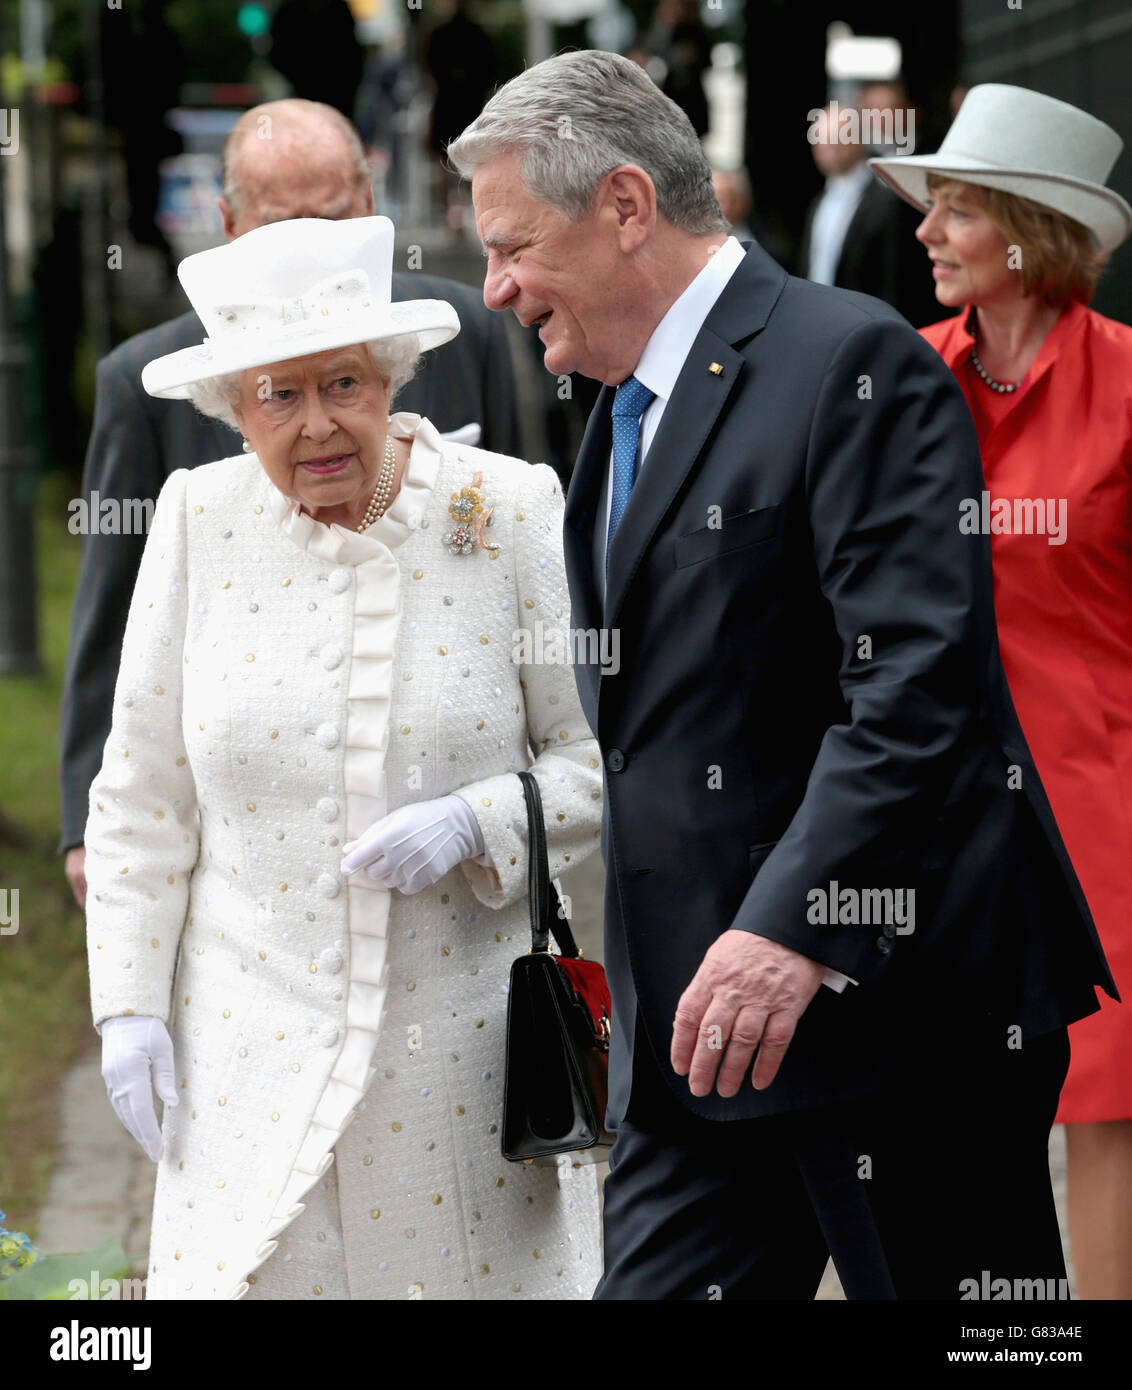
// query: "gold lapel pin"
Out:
[716,369]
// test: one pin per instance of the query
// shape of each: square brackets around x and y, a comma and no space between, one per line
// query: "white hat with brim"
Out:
[291,289]
[1028,144]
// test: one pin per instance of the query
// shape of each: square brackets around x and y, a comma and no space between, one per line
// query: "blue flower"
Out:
[16,1250]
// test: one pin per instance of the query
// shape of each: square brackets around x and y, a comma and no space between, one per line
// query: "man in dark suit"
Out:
[284,159]
[859,235]
[836,894]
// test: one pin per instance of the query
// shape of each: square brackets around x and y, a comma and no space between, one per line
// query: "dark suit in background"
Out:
[138,440]
[881,256]
[802,493]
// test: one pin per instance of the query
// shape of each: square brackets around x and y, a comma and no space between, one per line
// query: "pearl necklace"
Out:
[380,499]
[1007,386]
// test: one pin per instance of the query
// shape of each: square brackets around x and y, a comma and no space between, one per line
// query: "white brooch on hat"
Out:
[471,516]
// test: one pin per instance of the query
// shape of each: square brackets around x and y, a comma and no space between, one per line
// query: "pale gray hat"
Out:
[1026,143]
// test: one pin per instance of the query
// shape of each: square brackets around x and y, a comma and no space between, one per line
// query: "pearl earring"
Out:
[248,448]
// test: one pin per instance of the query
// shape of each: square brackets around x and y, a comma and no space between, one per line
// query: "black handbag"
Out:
[558,1010]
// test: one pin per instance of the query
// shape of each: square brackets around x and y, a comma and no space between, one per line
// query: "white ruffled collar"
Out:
[337,545]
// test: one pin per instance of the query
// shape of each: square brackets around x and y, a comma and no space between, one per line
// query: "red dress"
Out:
[1063,600]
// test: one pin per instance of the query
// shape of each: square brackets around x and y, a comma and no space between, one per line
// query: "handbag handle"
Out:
[547,915]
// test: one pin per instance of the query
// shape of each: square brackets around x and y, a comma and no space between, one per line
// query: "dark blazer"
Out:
[758,749]
[881,256]
[137,440]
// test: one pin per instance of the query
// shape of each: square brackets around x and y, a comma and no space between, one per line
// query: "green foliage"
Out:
[44,1004]
[16,1252]
[51,1276]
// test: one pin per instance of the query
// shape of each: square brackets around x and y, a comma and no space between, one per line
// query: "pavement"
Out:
[102,1186]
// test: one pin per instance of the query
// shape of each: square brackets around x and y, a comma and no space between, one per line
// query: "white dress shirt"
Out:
[662,362]
[658,368]
[834,212]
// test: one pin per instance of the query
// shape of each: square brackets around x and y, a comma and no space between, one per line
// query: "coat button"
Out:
[330,656]
[326,735]
[331,960]
[327,808]
[884,945]
[615,760]
[339,581]
[328,1036]
[328,885]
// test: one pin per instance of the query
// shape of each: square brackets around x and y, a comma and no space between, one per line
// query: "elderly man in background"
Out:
[282,160]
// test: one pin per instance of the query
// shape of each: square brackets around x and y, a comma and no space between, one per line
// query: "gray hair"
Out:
[395,359]
[575,117]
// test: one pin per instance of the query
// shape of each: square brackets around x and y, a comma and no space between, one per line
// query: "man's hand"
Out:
[74,865]
[748,994]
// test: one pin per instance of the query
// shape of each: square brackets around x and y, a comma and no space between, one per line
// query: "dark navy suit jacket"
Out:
[802,494]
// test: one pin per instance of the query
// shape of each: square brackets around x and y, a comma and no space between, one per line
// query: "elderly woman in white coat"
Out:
[307,848]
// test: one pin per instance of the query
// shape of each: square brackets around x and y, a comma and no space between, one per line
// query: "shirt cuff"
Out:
[836,980]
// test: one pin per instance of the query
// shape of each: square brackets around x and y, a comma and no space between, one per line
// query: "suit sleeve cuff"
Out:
[498,878]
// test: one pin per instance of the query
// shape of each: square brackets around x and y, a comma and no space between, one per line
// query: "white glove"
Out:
[131,1045]
[414,847]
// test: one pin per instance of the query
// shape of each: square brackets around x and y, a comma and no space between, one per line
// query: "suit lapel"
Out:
[583,504]
[710,374]
[689,417]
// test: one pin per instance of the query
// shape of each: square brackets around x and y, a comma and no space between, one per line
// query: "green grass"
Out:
[44,1010]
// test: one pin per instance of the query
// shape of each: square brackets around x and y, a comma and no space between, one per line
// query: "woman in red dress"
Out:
[1018,225]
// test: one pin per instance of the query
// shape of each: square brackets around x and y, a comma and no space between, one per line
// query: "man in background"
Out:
[738,204]
[284,159]
[733,193]
[859,235]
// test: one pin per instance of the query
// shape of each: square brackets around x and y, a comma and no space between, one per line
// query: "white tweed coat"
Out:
[284,684]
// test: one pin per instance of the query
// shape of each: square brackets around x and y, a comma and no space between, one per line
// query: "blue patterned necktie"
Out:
[629,403]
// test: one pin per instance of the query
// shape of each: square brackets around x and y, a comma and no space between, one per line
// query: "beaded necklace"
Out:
[380,499]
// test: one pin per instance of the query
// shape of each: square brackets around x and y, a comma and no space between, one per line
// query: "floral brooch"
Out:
[471,516]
